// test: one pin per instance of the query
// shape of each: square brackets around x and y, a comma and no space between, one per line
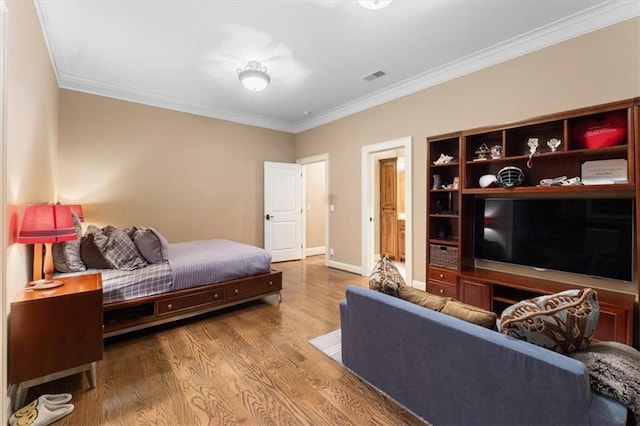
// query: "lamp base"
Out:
[44,285]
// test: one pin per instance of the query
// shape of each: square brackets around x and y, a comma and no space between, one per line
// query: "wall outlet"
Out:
[331,252]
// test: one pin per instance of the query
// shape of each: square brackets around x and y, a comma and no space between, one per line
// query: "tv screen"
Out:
[585,236]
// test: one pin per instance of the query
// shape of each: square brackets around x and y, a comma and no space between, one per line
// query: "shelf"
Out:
[453,163]
[444,190]
[446,241]
[577,153]
[444,215]
[604,190]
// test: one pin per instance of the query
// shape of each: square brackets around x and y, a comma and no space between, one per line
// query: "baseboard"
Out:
[314,251]
[345,267]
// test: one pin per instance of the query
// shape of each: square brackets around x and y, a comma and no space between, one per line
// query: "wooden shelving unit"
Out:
[450,210]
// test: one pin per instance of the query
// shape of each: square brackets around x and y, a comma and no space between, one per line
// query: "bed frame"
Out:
[137,314]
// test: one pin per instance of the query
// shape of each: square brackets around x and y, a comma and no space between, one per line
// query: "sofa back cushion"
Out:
[422,298]
[470,313]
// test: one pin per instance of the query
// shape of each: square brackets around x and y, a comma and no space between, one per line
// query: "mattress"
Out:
[190,264]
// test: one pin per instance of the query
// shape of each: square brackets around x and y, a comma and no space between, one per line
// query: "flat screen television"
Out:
[593,237]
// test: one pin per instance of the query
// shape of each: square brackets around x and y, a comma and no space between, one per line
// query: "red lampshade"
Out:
[77,209]
[47,224]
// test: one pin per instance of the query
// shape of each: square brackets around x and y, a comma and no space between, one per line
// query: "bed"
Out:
[147,281]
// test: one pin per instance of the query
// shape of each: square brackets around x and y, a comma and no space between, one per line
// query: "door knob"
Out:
[268,216]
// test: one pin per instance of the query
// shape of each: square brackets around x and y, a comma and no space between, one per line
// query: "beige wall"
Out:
[32,130]
[316,207]
[596,68]
[188,176]
[31,145]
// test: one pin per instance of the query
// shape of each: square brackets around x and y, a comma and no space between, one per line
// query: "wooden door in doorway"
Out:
[388,208]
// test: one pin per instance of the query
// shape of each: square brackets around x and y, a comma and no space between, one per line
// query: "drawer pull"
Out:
[270,283]
[215,296]
[169,306]
[441,275]
[235,291]
[441,291]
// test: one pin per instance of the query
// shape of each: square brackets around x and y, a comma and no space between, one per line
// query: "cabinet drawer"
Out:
[442,289]
[190,301]
[263,286]
[450,277]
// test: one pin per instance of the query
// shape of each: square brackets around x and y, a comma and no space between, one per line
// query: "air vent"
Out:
[374,75]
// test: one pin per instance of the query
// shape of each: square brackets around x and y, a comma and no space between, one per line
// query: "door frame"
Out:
[367,188]
[320,158]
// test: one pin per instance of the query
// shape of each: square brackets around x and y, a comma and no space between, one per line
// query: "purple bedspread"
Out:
[200,262]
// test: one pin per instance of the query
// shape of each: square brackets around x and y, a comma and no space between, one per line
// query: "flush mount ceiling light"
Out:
[254,76]
[374,4]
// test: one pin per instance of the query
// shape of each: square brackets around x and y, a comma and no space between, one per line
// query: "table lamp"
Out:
[77,209]
[47,224]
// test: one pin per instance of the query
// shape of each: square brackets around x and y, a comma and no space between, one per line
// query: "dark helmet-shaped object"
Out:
[510,177]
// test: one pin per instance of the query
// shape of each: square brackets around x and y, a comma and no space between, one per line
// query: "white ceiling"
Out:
[184,55]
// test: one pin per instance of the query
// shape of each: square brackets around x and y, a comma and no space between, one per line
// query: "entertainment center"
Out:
[487,189]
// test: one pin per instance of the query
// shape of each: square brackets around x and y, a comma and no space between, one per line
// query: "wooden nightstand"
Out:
[55,333]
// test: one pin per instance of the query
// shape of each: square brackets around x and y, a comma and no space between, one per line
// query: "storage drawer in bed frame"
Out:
[123,317]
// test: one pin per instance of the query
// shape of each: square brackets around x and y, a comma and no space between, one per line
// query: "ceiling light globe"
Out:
[374,4]
[254,80]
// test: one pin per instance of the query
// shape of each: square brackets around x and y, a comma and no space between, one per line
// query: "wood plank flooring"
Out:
[250,365]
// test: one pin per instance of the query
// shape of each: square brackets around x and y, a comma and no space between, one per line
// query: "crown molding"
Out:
[145,98]
[595,18]
[71,82]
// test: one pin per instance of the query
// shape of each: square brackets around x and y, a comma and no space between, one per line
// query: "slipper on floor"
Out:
[55,398]
[40,414]
[48,398]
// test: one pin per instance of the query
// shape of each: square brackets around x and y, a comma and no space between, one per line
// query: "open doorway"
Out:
[315,202]
[378,223]
[389,210]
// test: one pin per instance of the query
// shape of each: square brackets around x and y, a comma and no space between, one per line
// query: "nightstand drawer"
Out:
[450,277]
[191,301]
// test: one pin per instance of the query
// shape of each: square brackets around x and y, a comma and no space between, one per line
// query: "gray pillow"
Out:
[121,251]
[151,244]
[92,248]
[66,255]
[110,248]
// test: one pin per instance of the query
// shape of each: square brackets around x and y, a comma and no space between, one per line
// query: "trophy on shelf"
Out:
[533,145]
[482,152]
[553,144]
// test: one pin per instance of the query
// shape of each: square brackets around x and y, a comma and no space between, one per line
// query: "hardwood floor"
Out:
[248,365]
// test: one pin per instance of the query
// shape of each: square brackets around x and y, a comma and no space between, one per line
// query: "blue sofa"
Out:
[450,372]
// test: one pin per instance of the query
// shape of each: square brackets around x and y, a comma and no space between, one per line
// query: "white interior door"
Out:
[283,211]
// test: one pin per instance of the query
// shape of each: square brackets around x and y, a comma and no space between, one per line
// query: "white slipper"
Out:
[40,413]
[48,398]
[55,398]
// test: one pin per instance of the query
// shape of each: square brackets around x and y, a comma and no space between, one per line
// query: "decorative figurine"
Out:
[482,152]
[443,159]
[553,144]
[437,184]
[456,182]
[496,151]
[533,147]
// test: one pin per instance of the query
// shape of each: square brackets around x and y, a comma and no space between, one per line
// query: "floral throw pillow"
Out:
[386,278]
[563,322]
